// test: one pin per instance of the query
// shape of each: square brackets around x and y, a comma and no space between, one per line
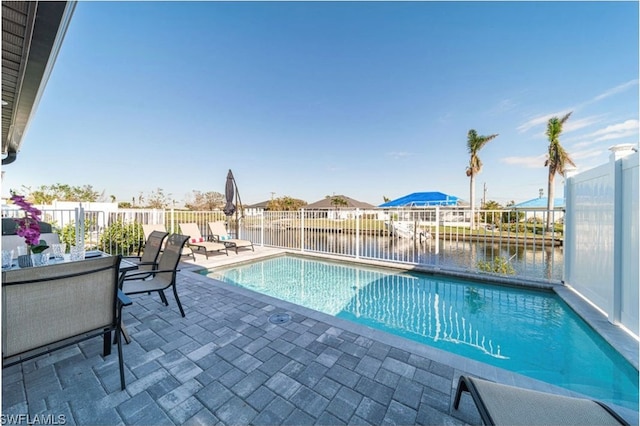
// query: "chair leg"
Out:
[120,361]
[175,294]
[106,343]
[163,297]
[462,387]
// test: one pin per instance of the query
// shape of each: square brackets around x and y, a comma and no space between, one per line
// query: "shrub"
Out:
[500,265]
[121,238]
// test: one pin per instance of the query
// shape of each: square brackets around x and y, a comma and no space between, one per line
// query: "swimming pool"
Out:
[529,332]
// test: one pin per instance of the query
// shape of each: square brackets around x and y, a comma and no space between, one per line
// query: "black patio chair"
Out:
[149,259]
[163,277]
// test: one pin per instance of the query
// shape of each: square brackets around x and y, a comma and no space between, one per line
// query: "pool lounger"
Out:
[500,404]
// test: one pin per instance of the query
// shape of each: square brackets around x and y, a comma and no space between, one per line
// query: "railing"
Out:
[509,242]
[506,242]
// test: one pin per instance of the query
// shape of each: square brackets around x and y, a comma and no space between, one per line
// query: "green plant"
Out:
[499,265]
[121,238]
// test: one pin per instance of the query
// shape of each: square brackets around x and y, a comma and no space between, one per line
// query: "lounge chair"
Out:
[500,404]
[198,243]
[148,229]
[219,234]
[161,278]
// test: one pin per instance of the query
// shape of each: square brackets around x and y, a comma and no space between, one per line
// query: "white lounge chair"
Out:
[198,243]
[219,234]
[148,229]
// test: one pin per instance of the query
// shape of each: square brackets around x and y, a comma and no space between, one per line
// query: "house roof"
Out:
[32,33]
[422,199]
[260,205]
[328,204]
[539,203]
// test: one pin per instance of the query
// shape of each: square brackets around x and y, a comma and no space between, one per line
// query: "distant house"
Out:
[539,203]
[537,207]
[424,199]
[256,209]
[330,207]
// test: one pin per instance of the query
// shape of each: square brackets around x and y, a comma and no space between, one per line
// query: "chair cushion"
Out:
[224,237]
[196,240]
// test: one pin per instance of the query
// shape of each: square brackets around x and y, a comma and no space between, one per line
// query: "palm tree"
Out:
[557,159]
[474,145]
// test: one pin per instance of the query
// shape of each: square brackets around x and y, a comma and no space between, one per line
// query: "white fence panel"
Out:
[601,241]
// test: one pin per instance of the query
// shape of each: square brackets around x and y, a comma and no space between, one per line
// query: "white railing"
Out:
[511,242]
[427,236]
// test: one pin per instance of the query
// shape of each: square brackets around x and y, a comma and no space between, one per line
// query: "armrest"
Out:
[123,299]
[147,273]
[132,257]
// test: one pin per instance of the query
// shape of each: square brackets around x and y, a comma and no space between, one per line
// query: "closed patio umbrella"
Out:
[229,192]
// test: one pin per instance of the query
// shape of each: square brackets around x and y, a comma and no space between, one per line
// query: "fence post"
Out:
[437,242]
[262,228]
[172,217]
[357,233]
[617,152]
[302,230]
[568,238]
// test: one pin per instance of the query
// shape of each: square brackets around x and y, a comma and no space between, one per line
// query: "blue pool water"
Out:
[529,332]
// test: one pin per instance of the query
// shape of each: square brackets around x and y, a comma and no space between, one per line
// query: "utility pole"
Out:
[484,195]
[272,194]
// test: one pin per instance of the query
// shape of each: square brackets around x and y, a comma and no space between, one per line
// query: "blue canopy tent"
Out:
[423,199]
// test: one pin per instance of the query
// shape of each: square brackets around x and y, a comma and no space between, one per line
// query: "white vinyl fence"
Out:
[601,243]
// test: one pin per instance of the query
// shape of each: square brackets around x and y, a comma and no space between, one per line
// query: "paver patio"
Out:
[226,363]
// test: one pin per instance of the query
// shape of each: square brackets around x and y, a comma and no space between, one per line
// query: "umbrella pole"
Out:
[238,206]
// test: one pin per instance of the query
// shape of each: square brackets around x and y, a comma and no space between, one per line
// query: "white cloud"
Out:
[503,106]
[573,125]
[532,162]
[396,155]
[587,153]
[616,131]
[543,119]
[614,91]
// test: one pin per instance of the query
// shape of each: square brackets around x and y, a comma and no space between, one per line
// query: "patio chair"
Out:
[52,307]
[198,243]
[500,404]
[161,278]
[148,229]
[10,226]
[219,234]
[152,248]
[12,242]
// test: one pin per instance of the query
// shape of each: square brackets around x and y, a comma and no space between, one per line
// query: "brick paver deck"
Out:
[226,363]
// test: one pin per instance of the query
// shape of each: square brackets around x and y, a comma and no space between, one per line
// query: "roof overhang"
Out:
[32,33]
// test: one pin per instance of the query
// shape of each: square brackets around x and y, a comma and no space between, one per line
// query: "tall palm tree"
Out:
[474,145]
[557,159]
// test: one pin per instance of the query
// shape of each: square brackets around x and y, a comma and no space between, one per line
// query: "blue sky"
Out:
[308,99]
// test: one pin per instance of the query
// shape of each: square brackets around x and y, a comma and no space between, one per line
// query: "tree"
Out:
[474,145]
[386,199]
[338,201]
[557,160]
[285,204]
[47,194]
[158,200]
[208,201]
